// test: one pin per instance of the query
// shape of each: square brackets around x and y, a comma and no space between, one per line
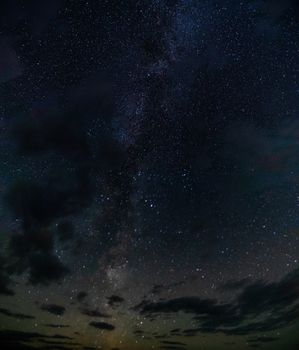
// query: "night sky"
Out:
[149,174]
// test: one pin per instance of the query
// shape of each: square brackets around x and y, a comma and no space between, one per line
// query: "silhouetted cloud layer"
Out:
[53,309]
[260,307]
[102,325]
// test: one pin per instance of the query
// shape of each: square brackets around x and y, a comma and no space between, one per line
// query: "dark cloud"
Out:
[81,296]
[43,207]
[157,289]
[59,336]
[115,300]
[52,325]
[37,205]
[161,336]
[58,343]
[102,325]
[53,309]
[261,297]
[16,315]
[61,133]
[191,332]
[169,342]
[4,286]
[12,339]
[94,313]
[17,346]
[192,305]
[264,339]
[54,347]
[5,281]
[260,307]
[45,268]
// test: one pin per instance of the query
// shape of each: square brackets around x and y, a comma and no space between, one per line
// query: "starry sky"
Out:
[149,174]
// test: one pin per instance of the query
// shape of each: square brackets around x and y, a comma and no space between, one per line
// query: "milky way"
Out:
[149,180]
